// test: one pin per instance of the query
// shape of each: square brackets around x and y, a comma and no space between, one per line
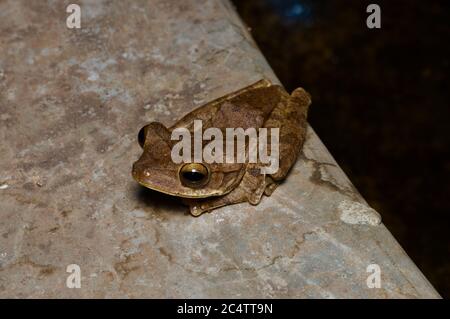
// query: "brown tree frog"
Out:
[205,185]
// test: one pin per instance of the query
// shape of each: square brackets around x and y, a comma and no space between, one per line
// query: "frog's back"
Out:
[249,107]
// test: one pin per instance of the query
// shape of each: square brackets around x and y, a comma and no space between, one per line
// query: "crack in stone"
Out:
[273,261]
[44,269]
[317,178]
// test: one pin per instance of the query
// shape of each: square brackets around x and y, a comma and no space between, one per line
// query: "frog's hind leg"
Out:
[290,117]
[271,185]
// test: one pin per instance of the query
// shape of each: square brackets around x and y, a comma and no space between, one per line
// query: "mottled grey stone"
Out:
[71,104]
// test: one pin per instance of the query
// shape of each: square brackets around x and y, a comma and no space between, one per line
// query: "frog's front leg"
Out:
[250,189]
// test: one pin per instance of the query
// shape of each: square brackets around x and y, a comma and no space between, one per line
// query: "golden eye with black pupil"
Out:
[194,175]
[141,136]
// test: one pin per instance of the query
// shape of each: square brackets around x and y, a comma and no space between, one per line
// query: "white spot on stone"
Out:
[93,76]
[160,108]
[355,213]
[4,186]
[11,95]
[212,270]
[156,55]
[138,213]
[41,90]
[200,101]
[30,60]
[98,172]
[169,96]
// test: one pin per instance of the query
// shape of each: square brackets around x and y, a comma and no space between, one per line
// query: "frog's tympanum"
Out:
[205,186]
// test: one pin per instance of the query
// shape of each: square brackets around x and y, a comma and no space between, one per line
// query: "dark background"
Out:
[380,105]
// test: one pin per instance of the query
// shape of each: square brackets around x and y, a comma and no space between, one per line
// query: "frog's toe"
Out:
[270,189]
[197,210]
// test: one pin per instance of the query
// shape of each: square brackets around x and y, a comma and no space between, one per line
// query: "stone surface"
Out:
[71,104]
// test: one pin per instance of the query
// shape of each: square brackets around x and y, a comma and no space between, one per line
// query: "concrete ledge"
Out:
[71,103]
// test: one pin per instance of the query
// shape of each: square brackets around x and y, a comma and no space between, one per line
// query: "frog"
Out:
[205,187]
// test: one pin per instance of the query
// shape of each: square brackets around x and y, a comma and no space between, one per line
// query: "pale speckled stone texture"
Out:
[71,104]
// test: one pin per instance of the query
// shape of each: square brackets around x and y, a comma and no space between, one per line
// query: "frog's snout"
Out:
[139,172]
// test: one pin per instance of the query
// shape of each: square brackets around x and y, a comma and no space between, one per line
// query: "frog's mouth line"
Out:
[198,194]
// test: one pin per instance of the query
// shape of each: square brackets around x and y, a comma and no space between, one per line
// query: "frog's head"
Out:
[156,170]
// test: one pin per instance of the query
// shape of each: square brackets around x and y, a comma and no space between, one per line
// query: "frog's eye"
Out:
[194,175]
[141,136]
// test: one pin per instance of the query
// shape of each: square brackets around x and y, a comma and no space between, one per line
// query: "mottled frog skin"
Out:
[259,105]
